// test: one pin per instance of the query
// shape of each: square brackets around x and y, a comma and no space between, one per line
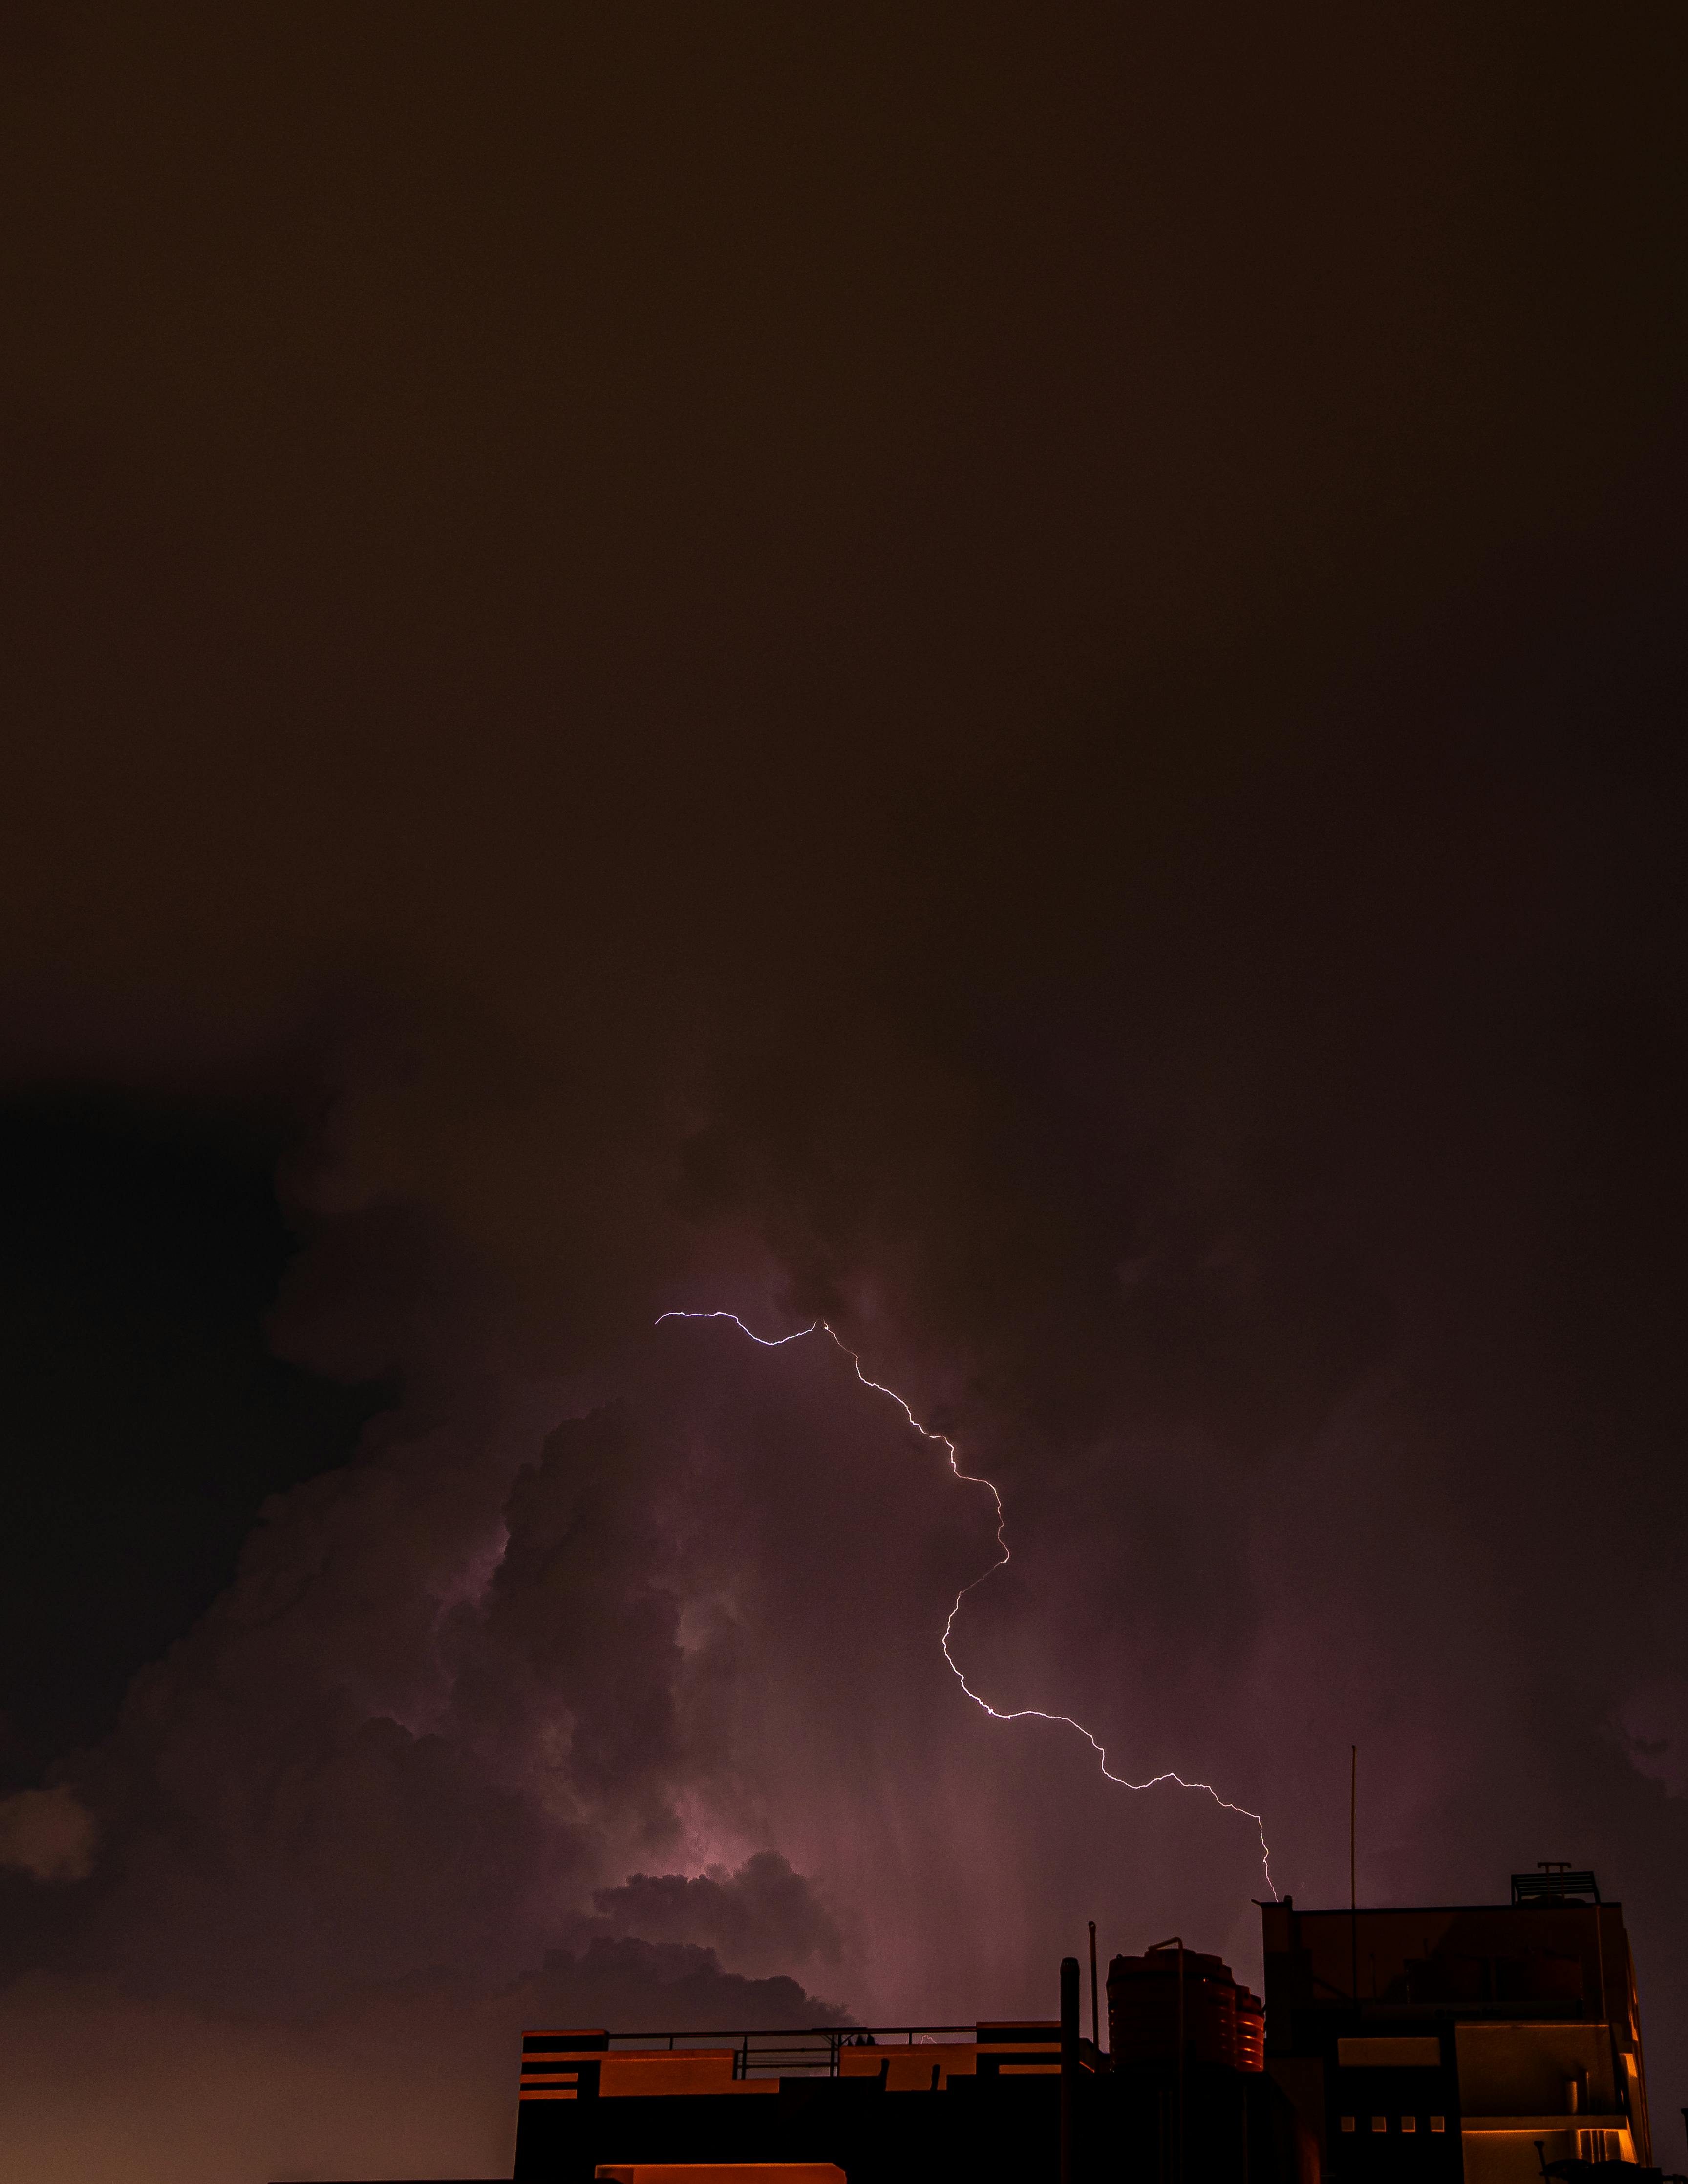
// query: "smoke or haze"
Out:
[1012,677]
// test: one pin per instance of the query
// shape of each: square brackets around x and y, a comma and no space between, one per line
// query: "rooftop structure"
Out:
[1461,2044]
[885,2100]
[1029,2100]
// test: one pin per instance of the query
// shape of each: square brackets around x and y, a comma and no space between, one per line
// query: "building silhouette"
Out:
[1466,2044]
[1487,2044]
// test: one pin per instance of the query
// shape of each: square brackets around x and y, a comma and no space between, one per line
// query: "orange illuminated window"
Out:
[1348,2123]
[1380,2123]
[1439,2123]
[1409,2123]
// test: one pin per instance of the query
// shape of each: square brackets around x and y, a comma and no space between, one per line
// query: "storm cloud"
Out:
[1010,682]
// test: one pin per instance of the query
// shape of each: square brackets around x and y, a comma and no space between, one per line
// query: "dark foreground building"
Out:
[981,2101]
[1495,2044]
[1462,2044]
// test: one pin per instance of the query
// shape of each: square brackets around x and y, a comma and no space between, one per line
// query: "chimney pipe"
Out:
[1069,2060]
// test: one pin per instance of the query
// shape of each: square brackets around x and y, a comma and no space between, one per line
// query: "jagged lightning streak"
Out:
[976,1478]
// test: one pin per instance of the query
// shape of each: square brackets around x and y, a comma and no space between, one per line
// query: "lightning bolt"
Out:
[976,1478]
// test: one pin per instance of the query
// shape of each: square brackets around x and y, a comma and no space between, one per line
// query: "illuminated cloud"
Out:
[48,1834]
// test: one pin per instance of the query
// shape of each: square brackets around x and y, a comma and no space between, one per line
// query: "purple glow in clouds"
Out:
[975,1478]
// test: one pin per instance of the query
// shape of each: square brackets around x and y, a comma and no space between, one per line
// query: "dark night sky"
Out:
[1014,677]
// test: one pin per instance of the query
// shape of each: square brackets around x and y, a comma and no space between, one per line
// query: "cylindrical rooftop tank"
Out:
[1142,2012]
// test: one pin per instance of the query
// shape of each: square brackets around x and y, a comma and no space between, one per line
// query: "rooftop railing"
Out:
[786,2053]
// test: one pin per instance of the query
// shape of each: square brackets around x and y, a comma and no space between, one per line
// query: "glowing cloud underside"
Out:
[974,1479]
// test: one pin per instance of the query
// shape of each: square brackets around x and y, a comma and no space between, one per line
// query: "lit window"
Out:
[1348,2123]
[1439,2123]
[1380,2123]
[1409,2123]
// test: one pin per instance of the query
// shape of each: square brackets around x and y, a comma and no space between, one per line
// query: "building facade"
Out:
[1475,2042]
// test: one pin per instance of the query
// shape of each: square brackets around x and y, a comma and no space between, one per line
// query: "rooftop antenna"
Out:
[1096,2022]
[1069,2060]
[1353,1888]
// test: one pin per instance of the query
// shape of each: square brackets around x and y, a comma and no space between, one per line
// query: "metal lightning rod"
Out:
[975,1478]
